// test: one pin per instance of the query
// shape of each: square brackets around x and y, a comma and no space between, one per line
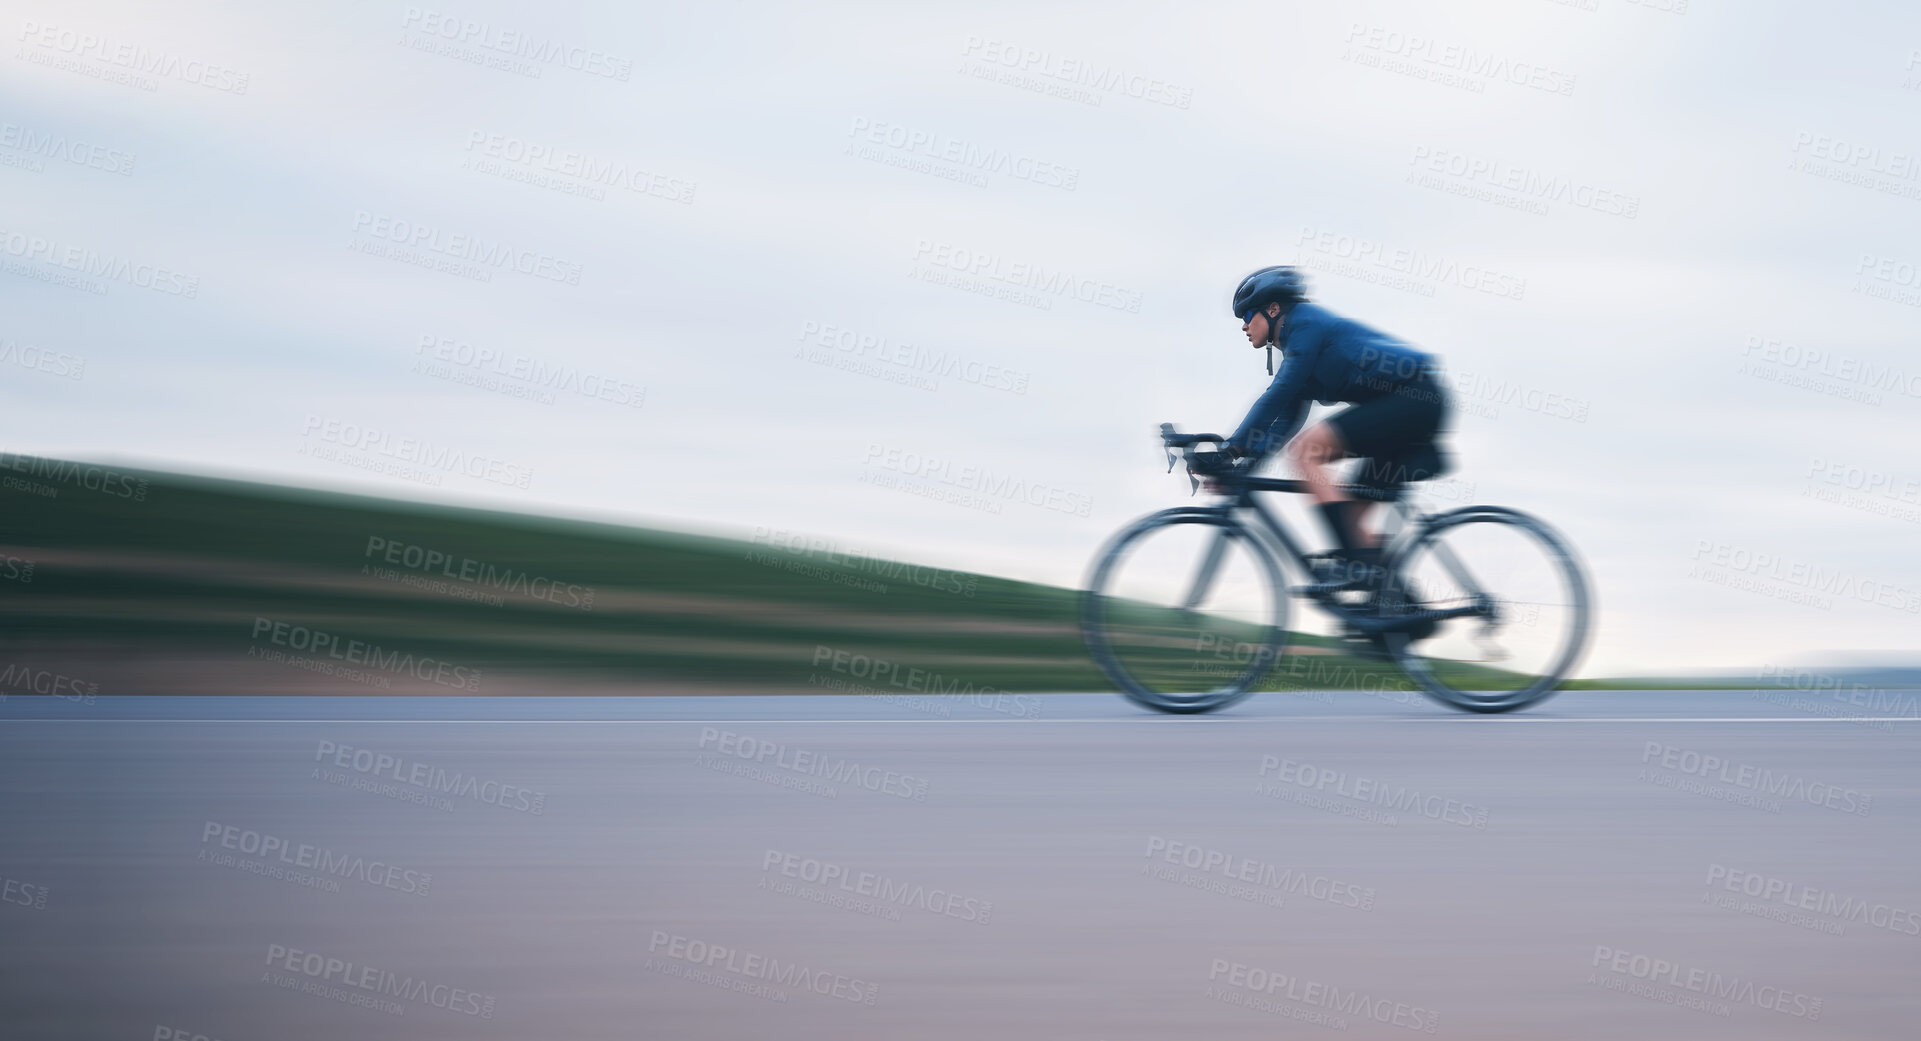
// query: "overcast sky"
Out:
[610,261]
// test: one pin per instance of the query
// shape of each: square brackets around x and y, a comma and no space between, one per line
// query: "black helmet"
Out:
[1267,285]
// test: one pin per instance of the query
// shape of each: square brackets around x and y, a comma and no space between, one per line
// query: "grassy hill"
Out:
[196,585]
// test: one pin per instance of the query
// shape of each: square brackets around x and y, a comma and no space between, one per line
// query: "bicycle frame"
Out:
[1275,529]
[1399,614]
[1242,490]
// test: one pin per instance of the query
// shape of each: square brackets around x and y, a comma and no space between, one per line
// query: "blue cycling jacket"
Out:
[1325,358]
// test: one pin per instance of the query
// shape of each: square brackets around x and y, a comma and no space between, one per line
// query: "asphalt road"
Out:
[1608,865]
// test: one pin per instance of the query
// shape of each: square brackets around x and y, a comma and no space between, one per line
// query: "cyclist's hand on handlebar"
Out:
[1208,465]
[1184,448]
[1222,461]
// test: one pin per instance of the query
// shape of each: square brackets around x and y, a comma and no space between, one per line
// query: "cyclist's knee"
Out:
[1314,447]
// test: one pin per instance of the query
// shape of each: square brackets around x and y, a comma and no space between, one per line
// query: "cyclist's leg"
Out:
[1312,452]
[1366,478]
[1391,432]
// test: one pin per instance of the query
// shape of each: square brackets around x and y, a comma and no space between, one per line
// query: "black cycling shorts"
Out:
[1396,433]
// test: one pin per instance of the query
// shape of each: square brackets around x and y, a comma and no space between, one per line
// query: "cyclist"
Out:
[1397,410]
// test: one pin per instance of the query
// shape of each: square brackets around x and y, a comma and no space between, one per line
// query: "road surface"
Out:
[1652,864]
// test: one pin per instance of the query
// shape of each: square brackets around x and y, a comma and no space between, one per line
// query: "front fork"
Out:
[1210,569]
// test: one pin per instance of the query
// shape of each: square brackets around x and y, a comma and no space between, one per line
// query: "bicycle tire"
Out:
[1095,636]
[1415,666]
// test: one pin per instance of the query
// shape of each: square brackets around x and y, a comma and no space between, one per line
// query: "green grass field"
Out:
[200,582]
[202,585]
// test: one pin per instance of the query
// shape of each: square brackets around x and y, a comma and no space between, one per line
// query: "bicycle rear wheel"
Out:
[1528,602]
[1184,610]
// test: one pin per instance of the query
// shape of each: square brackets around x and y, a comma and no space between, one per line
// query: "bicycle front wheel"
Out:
[1185,611]
[1521,604]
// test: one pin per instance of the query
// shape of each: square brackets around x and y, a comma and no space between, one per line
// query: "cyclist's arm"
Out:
[1277,414]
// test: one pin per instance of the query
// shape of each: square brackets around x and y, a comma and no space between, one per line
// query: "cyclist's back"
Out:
[1358,363]
[1329,359]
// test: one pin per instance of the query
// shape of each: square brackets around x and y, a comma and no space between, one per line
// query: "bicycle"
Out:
[1166,586]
